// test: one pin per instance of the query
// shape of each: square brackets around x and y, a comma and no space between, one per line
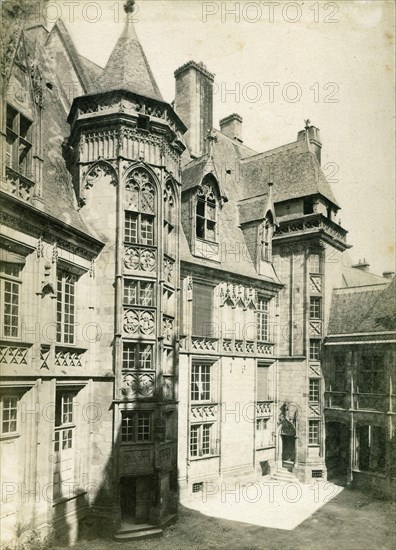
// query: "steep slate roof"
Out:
[294,170]
[364,309]
[128,68]
[253,209]
[57,188]
[85,76]
[91,68]
[351,277]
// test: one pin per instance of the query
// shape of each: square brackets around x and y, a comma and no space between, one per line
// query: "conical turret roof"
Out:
[128,68]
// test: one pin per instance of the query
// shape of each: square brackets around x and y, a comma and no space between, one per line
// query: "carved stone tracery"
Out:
[139,322]
[97,172]
[140,192]
[140,259]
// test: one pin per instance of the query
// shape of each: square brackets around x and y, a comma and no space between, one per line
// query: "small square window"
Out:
[9,413]
[200,382]
[313,434]
[314,350]
[314,263]
[315,308]
[314,390]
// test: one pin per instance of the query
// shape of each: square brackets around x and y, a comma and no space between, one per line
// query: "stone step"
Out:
[284,475]
[133,534]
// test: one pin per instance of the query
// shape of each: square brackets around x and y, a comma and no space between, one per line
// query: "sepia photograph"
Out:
[197,275]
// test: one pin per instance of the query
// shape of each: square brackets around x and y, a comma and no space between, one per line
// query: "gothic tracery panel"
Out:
[140,192]
[139,322]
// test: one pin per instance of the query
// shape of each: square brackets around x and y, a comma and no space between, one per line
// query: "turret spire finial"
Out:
[307,123]
[129,6]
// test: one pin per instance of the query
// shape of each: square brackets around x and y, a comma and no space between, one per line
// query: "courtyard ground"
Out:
[351,520]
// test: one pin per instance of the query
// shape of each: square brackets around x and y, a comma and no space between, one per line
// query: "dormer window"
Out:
[266,238]
[206,213]
[19,147]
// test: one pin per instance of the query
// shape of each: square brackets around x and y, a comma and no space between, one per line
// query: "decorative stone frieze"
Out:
[265,349]
[315,328]
[13,355]
[238,295]
[315,284]
[135,385]
[140,259]
[205,344]
[201,413]
[263,409]
[139,322]
[68,358]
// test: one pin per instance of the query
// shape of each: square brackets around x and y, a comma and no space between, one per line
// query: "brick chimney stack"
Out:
[194,105]
[312,134]
[231,126]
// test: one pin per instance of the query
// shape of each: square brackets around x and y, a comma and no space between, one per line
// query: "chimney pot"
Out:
[363,265]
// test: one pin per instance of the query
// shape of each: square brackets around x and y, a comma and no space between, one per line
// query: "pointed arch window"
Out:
[206,212]
[139,209]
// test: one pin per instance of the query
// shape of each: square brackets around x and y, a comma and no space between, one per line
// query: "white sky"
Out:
[350,59]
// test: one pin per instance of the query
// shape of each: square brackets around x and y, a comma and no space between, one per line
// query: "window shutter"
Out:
[202,310]
[262,384]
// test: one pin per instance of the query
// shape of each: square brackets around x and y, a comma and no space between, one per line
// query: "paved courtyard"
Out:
[348,520]
[272,504]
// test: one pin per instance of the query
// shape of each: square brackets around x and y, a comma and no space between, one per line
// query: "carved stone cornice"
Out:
[311,226]
[25,218]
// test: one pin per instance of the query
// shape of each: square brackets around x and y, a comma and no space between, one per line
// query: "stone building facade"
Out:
[359,355]
[165,290]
